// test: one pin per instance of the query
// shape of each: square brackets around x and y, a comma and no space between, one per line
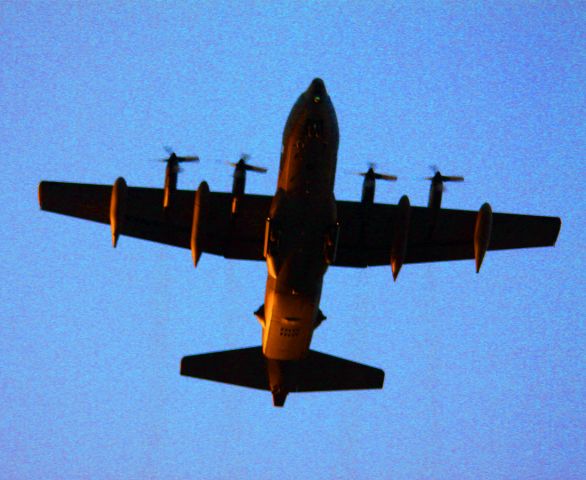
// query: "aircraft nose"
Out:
[317,88]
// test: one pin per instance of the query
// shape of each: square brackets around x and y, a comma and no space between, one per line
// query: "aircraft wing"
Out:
[366,234]
[240,236]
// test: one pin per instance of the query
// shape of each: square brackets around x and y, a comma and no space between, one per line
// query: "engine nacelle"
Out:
[482,233]
[399,247]
[239,182]
[238,186]
[199,220]
[368,186]
[117,208]
[171,173]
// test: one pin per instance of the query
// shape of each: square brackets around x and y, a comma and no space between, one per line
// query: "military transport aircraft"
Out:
[299,232]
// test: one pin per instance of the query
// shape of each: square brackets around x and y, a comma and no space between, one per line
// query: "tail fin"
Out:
[247,367]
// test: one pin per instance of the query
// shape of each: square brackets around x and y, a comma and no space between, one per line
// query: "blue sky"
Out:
[484,373]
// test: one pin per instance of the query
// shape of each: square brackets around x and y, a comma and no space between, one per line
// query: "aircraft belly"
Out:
[305,212]
[289,327]
[280,346]
[292,298]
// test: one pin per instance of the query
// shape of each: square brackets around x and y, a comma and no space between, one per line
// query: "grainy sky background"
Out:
[485,374]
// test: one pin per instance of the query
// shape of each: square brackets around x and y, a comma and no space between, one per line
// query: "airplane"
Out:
[299,233]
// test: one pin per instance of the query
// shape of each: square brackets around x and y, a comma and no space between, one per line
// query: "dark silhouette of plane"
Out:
[299,232]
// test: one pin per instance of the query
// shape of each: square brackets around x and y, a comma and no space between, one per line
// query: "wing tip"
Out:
[40,193]
[558,223]
[381,378]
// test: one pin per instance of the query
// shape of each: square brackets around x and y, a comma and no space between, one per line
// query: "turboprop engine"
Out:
[171,174]
[369,184]
[437,188]
[240,169]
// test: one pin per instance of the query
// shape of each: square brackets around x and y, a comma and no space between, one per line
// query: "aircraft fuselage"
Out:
[302,213]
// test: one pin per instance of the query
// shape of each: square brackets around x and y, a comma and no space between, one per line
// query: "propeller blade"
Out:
[377,176]
[191,158]
[255,168]
[383,176]
[179,158]
[242,164]
[445,178]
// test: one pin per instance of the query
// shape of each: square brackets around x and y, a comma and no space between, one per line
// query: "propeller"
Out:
[438,177]
[171,173]
[242,163]
[240,169]
[368,185]
[437,187]
[173,157]
[375,175]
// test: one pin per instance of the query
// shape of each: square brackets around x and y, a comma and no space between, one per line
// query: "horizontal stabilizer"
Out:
[322,372]
[246,367]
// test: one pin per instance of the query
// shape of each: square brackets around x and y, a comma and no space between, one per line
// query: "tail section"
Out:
[244,367]
[248,367]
